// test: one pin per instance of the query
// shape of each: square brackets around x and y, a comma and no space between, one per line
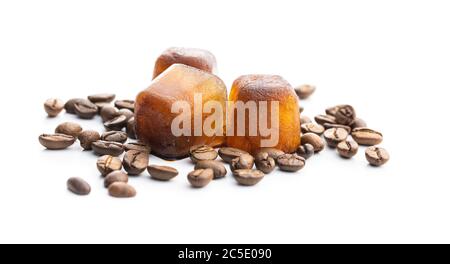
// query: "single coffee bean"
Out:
[69,128]
[200,178]
[245,161]
[136,146]
[128,104]
[162,173]
[248,177]
[85,109]
[107,164]
[126,112]
[219,170]
[377,156]
[56,141]
[367,136]
[78,186]
[121,190]
[135,162]
[328,126]
[115,176]
[101,147]
[313,139]
[108,112]
[290,162]
[101,105]
[357,123]
[304,119]
[273,152]
[115,136]
[322,119]
[102,97]
[264,162]
[345,115]
[335,135]
[131,128]
[301,109]
[202,152]
[306,151]
[53,106]
[304,91]
[312,128]
[333,110]
[116,123]
[87,137]
[347,149]
[70,105]
[227,153]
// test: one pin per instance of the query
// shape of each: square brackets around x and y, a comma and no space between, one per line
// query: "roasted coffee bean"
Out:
[313,139]
[107,164]
[115,176]
[202,152]
[85,109]
[304,119]
[335,135]
[128,104]
[108,112]
[117,123]
[367,136]
[131,128]
[101,105]
[219,170]
[136,146]
[227,153]
[290,162]
[306,151]
[162,173]
[301,109]
[357,123]
[322,119]
[347,149]
[135,162]
[200,178]
[245,161]
[377,156]
[345,115]
[70,105]
[264,162]
[53,106]
[56,141]
[115,136]
[332,110]
[101,147]
[304,91]
[273,152]
[78,186]
[69,128]
[248,177]
[121,190]
[87,137]
[102,97]
[126,112]
[312,128]
[328,126]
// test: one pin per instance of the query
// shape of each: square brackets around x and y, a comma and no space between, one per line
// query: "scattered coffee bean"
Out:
[201,177]
[101,105]
[328,126]
[377,156]
[102,97]
[107,164]
[345,115]
[273,152]
[264,162]
[70,105]
[312,128]
[219,170]
[347,149]
[313,139]
[290,162]
[108,112]
[115,176]
[304,91]
[115,136]
[121,190]
[128,104]
[69,128]
[101,147]
[304,119]
[202,152]
[131,128]
[301,109]
[248,177]
[136,146]
[85,109]
[162,173]
[227,153]
[78,186]
[357,123]
[117,123]
[367,136]
[335,135]
[245,161]
[126,112]
[87,137]
[56,141]
[53,106]
[333,110]
[306,151]
[322,119]
[135,162]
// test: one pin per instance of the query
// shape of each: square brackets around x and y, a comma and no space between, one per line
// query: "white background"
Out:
[390,59]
